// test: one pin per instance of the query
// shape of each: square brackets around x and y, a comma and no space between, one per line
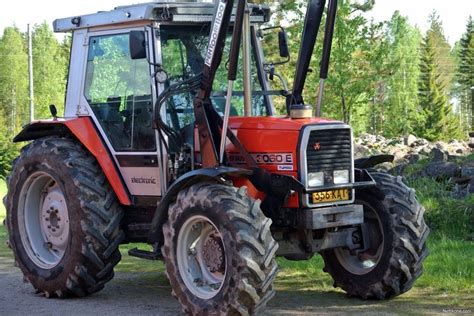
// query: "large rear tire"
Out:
[396,247]
[219,251]
[63,219]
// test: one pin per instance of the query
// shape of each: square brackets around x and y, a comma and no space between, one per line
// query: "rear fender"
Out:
[84,131]
[215,175]
[372,161]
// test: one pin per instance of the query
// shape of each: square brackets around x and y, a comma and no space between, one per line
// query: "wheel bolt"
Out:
[57,226]
[46,219]
[49,226]
[48,211]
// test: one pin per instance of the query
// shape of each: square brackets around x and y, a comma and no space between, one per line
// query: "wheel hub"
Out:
[201,256]
[55,220]
[213,253]
[365,260]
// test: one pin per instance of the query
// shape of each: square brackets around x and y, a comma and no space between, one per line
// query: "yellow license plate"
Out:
[331,196]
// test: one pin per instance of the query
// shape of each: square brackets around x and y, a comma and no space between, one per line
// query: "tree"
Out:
[440,122]
[13,79]
[403,42]
[50,70]
[8,149]
[349,72]
[442,52]
[465,76]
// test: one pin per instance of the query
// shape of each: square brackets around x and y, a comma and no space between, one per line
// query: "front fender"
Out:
[200,175]
[84,131]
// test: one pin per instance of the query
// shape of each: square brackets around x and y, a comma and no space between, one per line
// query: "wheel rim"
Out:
[201,257]
[364,262]
[43,220]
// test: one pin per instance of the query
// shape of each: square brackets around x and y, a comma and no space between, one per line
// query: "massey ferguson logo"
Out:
[317,146]
[143,180]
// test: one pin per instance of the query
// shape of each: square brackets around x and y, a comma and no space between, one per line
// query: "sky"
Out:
[454,13]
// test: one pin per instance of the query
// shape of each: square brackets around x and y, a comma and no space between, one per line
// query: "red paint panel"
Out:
[274,122]
[83,129]
[270,135]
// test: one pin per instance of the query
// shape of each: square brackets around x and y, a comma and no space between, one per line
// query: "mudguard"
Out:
[370,162]
[200,175]
[83,129]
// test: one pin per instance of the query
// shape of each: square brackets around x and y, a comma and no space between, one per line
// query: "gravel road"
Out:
[149,293]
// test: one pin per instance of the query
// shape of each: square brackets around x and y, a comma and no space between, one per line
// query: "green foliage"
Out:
[13,79]
[8,150]
[49,71]
[439,123]
[402,73]
[465,76]
[444,214]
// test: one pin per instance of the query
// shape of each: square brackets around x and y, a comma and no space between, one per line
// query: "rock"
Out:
[413,158]
[425,150]
[386,166]
[410,140]
[361,151]
[442,170]
[470,187]
[459,191]
[421,142]
[467,169]
[398,170]
[438,154]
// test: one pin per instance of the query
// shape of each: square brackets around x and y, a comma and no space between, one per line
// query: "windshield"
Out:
[183,48]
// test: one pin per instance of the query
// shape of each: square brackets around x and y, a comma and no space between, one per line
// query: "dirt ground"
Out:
[148,293]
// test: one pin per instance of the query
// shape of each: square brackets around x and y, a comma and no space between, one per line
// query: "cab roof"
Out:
[160,11]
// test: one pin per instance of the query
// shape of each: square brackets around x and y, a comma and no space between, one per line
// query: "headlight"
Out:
[341,176]
[316,179]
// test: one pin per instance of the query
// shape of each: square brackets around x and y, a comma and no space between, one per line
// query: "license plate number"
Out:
[331,196]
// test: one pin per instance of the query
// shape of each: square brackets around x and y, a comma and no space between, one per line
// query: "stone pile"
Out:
[440,160]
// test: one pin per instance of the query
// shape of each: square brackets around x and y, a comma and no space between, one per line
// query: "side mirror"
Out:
[283,44]
[137,45]
[268,37]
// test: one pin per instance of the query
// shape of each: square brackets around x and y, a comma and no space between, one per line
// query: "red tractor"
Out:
[163,143]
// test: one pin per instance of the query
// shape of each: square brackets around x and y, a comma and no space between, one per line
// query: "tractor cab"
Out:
[124,59]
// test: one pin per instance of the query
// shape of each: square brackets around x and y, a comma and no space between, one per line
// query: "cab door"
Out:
[118,91]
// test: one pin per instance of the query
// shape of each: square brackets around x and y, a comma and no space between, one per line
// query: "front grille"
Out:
[329,150]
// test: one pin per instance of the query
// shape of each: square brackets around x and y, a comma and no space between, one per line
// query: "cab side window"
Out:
[118,90]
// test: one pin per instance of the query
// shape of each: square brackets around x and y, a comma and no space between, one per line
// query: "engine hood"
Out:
[282,123]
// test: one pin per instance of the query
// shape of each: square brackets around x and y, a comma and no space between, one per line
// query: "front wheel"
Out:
[219,251]
[395,235]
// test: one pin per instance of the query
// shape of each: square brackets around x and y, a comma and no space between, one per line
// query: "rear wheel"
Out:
[63,219]
[395,249]
[219,251]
